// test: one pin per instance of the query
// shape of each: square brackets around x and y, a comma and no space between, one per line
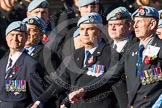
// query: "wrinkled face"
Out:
[142,27]
[89,34]
[159,32]
[41,13]
[34,35]
[16,40]
[88,9]
[117,29]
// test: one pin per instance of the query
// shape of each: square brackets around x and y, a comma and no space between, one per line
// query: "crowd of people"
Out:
[81,59]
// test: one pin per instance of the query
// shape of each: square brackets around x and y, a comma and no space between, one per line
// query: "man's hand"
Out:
[34,106]
[77,95]
[63,106]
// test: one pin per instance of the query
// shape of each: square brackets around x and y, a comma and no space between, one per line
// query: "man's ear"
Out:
[153,24]
[28,14]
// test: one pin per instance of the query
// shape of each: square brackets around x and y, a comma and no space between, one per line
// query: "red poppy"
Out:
[45,38]
[148,60]
[90,60]
[16,68]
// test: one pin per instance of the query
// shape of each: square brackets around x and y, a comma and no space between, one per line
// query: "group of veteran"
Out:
[124,73]
[141,65]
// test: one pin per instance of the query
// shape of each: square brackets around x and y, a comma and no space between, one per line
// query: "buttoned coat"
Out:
[28,69]
[120,88]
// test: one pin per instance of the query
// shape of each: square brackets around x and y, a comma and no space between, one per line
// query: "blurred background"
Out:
[108,5]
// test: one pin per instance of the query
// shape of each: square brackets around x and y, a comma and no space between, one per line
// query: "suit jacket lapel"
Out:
[134,74]
[79,57]
[3,71]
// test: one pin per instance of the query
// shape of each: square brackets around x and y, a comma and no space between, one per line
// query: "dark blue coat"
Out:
[28,70]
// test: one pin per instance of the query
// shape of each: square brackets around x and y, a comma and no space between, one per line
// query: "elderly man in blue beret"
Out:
[84,65]
[120,30]
[20,82]
[141,63]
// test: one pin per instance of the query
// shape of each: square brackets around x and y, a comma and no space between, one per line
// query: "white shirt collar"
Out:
[14,57]
[120,45]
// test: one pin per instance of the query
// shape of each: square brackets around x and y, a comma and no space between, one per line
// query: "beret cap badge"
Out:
[141,11]
[118,15]
[92,18]
[31,21]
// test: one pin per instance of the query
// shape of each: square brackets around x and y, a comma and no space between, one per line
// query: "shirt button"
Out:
[126,76]
[127,92]
[84,65]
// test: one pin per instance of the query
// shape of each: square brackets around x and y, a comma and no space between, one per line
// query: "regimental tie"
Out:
[8,69]
[115,46]
[88,54]
[139,58]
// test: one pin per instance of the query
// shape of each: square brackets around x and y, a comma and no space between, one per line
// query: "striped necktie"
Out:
[9,64]
[139,58]
[9,67]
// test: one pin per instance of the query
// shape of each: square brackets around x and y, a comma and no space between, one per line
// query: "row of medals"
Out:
[151,76]
[15,85]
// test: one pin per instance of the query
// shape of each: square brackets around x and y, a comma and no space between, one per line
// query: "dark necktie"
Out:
[115,46]
[9,67]
[88,54]
[139,58]
[9,64]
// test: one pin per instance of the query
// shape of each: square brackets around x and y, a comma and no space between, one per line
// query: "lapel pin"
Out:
[10,76]
[98,52]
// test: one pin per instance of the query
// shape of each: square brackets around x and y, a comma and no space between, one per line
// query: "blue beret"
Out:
[76,33]
[37,4]
[160,14]
[34,20]
[18,26]
[160,23]
[90,18]
[145,11]
[86,2]
[118,13]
